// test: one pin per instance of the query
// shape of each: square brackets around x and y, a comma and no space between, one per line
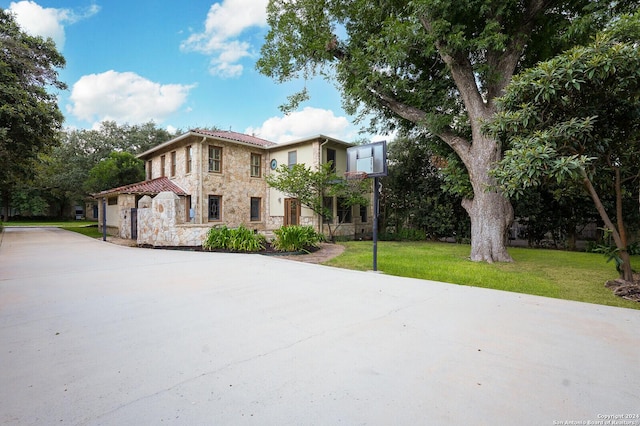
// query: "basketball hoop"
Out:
[355,175]
[368,161]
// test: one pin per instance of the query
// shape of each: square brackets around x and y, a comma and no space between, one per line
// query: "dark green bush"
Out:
[236,239]
[296,238]
[404,234]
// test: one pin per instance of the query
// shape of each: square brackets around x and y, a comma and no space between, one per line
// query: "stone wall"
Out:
[160,223]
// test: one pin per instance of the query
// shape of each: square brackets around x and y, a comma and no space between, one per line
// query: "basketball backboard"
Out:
[370,159]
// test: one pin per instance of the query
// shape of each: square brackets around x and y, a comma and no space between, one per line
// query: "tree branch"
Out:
[505,61]
[462,73]
[460,145]
[408,112]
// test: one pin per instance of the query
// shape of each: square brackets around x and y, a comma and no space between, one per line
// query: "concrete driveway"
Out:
[98,334]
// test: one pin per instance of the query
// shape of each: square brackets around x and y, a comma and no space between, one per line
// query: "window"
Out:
[215,206]
[256,165]
[344,212]
[112,201]
[215,159]
[363,214]
[331,158]
[173,163]
[327,204]
[188,214]
[162,165]
[188,158]
[292,158]
[149,170]
[255,208]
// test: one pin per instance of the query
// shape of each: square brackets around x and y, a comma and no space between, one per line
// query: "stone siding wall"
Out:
[159,223]
[234,183]
[125,203]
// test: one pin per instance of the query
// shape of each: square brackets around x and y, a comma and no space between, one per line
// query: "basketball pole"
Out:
[376,212]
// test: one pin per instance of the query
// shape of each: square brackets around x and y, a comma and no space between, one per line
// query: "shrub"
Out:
[296,238]
[404,234]
[237,239]
[217,238]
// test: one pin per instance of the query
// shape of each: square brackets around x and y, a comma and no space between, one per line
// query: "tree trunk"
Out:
[626,271]
[619,236]
[491,215]
[5,206]
[490,212]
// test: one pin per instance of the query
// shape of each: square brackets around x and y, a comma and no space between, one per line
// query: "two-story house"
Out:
[218,178]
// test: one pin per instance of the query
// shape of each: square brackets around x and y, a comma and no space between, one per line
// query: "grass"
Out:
[84,227]
[57,224]
[88,230]
[551,273]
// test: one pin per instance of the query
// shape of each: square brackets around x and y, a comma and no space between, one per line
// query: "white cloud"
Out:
[47,22]
[301,124]
[225,23]
[125,98]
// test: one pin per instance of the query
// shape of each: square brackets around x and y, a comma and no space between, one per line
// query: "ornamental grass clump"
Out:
[296,238]
[238,239]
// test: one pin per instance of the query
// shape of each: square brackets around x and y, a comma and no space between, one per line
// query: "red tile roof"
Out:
[147,187]
[237,137]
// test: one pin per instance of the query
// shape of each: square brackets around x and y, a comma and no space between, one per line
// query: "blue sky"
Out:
[183,64]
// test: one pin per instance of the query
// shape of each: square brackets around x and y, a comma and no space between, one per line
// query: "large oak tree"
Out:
[433,65]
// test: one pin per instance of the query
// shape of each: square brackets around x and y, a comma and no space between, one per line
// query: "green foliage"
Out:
[29,113]
[61,173]
[120,168]
[28,202]
[67,168]
[217,238]
[238,239]
[557,211]
[575,120]
[296,238]
[611,251]
[387,54]
[413,201]
[404,234]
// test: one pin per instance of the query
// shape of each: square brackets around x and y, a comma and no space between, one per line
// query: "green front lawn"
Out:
[84,227]
[58,224]
[550,273]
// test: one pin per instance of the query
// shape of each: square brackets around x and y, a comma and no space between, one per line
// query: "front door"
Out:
[134,224]
[291,211]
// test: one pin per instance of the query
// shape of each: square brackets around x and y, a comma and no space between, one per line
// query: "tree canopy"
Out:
[29,113]
[120,168]
[60,174]
[433,65]
[576,119]
[412,195]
